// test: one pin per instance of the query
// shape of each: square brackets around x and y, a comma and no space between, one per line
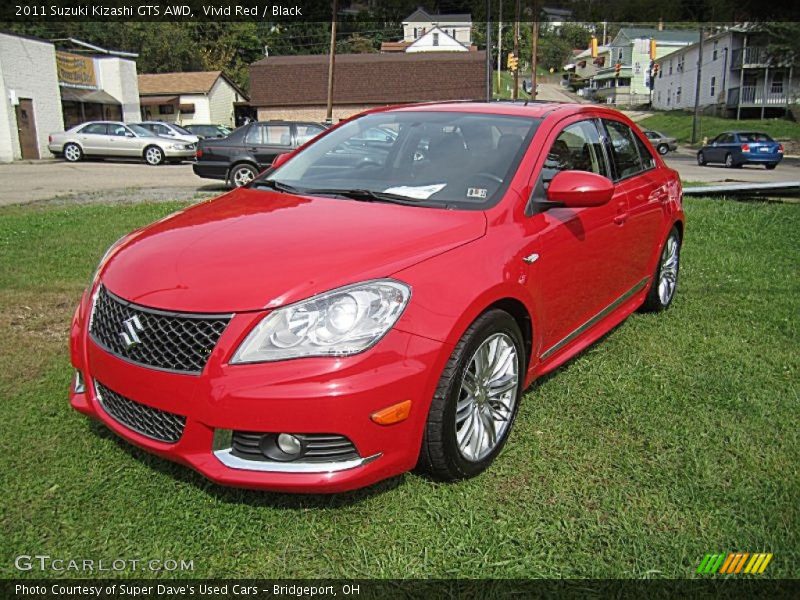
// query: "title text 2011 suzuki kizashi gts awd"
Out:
[381,297]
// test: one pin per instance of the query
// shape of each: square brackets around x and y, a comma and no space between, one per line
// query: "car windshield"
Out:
[453,159]
[139,130]
[181,130]
[755,137]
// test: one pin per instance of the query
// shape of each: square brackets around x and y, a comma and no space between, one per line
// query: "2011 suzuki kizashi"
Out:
[380,298]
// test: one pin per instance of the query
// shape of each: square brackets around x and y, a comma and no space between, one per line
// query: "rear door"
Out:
[265,141]
[645,187]
[93,138]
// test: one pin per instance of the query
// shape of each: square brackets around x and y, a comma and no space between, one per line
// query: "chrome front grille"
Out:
[151,422]
[180,342]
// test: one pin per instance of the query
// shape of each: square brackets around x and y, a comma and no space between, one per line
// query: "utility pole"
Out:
[488,50]
[331,65]
[534,47]
[696,115]
[515,91]
[499,46]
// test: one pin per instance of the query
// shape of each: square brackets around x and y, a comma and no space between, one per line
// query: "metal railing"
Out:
[753,95]
[754,56]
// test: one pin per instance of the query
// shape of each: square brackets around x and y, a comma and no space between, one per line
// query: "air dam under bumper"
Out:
[310,395]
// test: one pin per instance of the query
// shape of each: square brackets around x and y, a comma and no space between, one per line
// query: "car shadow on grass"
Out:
[232,495]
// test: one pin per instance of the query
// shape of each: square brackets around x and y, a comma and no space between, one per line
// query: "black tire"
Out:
[72,152]
[662,149]
[153,156]
[440,457]
[701,159]
[242,174]
[729,164]
[655,302]
[770,166]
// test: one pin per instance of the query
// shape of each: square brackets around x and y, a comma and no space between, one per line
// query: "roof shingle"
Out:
[196,82]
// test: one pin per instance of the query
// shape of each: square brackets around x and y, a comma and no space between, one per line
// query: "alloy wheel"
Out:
[487,397]
[668,273]
[242,176]
[72,153]
[153,156]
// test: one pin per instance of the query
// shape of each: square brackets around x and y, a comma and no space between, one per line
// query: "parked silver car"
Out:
[170,130]
[113,139]
[661,142]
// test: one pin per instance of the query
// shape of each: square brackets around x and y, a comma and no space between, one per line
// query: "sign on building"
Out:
[75,70]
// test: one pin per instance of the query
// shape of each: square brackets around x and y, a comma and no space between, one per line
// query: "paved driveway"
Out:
[33,181]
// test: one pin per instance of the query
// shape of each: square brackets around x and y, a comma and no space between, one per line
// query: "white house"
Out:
[436,40]
[188,98]
[30,105]
[418,23]
[737,77]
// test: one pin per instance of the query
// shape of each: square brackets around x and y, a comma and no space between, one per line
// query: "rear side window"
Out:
[648,162]
[272,135]
[577,148]
[627,161]
[96,129]
[755,137]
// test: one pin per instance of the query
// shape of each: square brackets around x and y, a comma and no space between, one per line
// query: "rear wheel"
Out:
[72,152]
[665,279]
[662,149]
[729,161]
[701,159]
[476,401]
[242,175]
[153,155]
[770,166]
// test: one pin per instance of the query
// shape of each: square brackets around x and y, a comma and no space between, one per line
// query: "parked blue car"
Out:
[737,148]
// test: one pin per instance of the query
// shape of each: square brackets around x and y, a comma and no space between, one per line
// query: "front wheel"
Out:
[662,149]
[665,279]
[476,401]
[153,155]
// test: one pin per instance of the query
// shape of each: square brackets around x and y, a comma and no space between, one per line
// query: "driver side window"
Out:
[577,148]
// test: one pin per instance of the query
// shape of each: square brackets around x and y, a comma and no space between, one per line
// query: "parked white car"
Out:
[113,139]
[170,130]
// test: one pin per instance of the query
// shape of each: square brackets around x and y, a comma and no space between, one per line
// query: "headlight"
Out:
[177,146]
[341,322]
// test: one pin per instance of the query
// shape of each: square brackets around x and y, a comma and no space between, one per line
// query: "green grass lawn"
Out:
[678,124]
[675,436]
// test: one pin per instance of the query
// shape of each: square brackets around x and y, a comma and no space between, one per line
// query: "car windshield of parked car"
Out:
[453,159]
[755,137]
[139,130]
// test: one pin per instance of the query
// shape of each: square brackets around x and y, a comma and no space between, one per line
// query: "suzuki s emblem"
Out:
[130,333]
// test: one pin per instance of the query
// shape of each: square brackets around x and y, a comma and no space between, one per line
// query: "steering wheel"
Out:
[491,176]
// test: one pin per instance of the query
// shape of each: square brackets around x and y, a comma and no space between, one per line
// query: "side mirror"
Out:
[129,134]
[280,159]
[578,189]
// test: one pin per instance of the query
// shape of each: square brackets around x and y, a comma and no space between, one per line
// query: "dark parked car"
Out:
[662,143]
[737,148]
[238,158]
[209,131]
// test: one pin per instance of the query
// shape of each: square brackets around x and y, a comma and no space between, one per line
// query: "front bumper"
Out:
[311,395]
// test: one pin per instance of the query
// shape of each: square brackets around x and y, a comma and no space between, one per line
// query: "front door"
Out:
[26,128]
[575,260]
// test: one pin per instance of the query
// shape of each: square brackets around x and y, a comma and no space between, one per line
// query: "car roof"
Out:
[532,109]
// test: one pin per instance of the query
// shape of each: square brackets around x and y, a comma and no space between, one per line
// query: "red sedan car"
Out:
[381,297]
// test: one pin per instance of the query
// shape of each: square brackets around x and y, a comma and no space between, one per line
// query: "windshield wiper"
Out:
[277,186]
[364,195]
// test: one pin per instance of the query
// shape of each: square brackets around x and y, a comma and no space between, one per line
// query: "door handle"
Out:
[620,219]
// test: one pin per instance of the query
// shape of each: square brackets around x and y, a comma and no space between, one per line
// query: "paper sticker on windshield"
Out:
[418,192]
[478,193]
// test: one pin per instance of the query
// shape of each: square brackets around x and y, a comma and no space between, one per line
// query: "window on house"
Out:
[670,67]
[435,39]
[715,52]
[777,83]
[166,109]
[713,86]
[678,96]
[415,33]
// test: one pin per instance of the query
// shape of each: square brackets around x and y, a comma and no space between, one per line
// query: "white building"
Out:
[30,105]
[737,78]
[436,40]
[418,23]
[201,97]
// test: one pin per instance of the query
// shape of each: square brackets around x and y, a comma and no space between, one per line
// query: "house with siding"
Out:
[738,78]
[188,98]
[631,49]
[418,23]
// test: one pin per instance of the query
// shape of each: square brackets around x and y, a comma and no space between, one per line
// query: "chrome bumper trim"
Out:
[223,451]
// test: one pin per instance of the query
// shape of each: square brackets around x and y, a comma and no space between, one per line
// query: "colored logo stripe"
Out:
[734,563]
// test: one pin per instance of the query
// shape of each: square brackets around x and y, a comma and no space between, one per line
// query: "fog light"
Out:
[78,386]
[289,444]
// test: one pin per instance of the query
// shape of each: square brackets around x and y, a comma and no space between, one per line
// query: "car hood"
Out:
[253,249]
